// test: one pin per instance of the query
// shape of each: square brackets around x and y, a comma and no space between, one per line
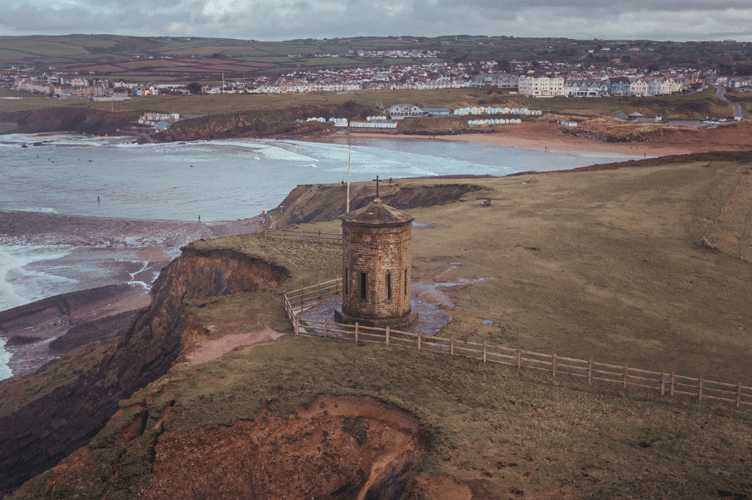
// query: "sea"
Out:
[214,180]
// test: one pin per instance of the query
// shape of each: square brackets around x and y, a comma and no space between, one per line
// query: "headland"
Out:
[645,263]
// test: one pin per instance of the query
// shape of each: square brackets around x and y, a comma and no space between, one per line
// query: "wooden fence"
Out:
[315,236]
[298,301]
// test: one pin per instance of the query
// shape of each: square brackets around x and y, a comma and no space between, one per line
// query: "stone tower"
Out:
[376,266]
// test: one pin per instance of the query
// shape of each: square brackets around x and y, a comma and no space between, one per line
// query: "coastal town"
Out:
[543,79]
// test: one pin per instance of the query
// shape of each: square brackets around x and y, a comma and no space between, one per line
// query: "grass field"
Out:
[604,265]
[670,107]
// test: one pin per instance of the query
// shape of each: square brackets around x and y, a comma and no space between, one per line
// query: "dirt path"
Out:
[207,350]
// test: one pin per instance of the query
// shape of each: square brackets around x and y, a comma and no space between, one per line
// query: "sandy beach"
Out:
[671,140]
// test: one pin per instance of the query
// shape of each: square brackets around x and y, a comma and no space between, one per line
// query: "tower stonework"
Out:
[376,266]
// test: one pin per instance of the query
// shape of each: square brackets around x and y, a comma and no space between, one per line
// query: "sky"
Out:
[272,20]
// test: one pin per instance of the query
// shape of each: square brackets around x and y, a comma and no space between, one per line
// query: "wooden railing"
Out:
[299,300]
[300,235]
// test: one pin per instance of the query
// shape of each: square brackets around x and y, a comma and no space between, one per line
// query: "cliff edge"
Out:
[48,415]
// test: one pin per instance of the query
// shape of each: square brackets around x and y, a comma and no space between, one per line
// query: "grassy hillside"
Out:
[604,265]
[206,57]
[694,106]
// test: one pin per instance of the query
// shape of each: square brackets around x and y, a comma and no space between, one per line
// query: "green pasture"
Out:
[693,106]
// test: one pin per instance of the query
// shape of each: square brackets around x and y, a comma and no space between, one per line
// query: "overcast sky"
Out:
[679,20]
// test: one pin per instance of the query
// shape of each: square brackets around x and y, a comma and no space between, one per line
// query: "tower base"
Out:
[399,322]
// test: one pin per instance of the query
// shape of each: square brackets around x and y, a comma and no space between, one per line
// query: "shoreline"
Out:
[544,143]
[127,254]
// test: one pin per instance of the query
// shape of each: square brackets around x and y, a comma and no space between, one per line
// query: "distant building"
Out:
[399,111]
[543,86]
[618,85]
[435,111]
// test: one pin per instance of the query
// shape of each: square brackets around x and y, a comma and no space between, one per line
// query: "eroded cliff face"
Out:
[238,125]
[71,119]
[59,409]
[339,448]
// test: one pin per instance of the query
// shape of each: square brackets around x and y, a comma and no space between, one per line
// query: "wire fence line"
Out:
[300,235]
[298,301]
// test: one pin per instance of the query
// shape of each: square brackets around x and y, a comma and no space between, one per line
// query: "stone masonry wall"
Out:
[376,251]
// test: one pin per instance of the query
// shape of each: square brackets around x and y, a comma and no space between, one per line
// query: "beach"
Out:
[102,266]
[547,135]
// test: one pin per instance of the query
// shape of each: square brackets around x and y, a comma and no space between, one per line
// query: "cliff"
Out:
[48,415]
[325,202]
[71,119]
[611,259]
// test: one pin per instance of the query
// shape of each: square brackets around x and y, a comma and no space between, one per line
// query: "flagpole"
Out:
[348,171]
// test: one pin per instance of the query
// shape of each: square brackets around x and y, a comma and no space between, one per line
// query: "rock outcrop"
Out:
[48,415]
[324,202]
[70,119]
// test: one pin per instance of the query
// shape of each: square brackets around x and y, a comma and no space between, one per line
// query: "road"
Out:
[721,94]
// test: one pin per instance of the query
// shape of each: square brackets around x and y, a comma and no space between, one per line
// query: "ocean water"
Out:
[216,180]
[232,179]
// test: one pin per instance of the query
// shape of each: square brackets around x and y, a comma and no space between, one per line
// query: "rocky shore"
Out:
[135,250]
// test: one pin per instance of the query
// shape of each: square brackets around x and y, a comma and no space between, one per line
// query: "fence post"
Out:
[419,339]
[554,365]
[663,384]
[356,332]
[297,324]
[484,351]
[519,358]
[626,374]
[319,235]
[452,346]
[326,327]
[739,395]
[701,384]
[673,383]
[590,372]
[387,335]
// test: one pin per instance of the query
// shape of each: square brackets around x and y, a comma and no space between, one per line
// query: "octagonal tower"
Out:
[376,266]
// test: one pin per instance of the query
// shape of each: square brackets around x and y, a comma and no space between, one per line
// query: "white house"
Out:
[638,86]
[540,86]
[404,110]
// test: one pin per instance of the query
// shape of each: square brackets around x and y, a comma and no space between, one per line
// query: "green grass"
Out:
[603,265]
[489,426]
[670,107]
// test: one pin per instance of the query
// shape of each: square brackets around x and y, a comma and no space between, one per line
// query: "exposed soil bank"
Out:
[339,447]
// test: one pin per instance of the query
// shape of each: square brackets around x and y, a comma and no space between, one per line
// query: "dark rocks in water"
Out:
[21,317]
[23,340]
[24,146]
[101,329]
[38,144]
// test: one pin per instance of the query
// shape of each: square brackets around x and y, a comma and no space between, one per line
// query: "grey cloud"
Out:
[278,20]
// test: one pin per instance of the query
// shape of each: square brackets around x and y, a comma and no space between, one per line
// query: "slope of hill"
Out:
[606,265]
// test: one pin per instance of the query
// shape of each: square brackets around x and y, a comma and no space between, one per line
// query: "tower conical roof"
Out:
[377,213]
